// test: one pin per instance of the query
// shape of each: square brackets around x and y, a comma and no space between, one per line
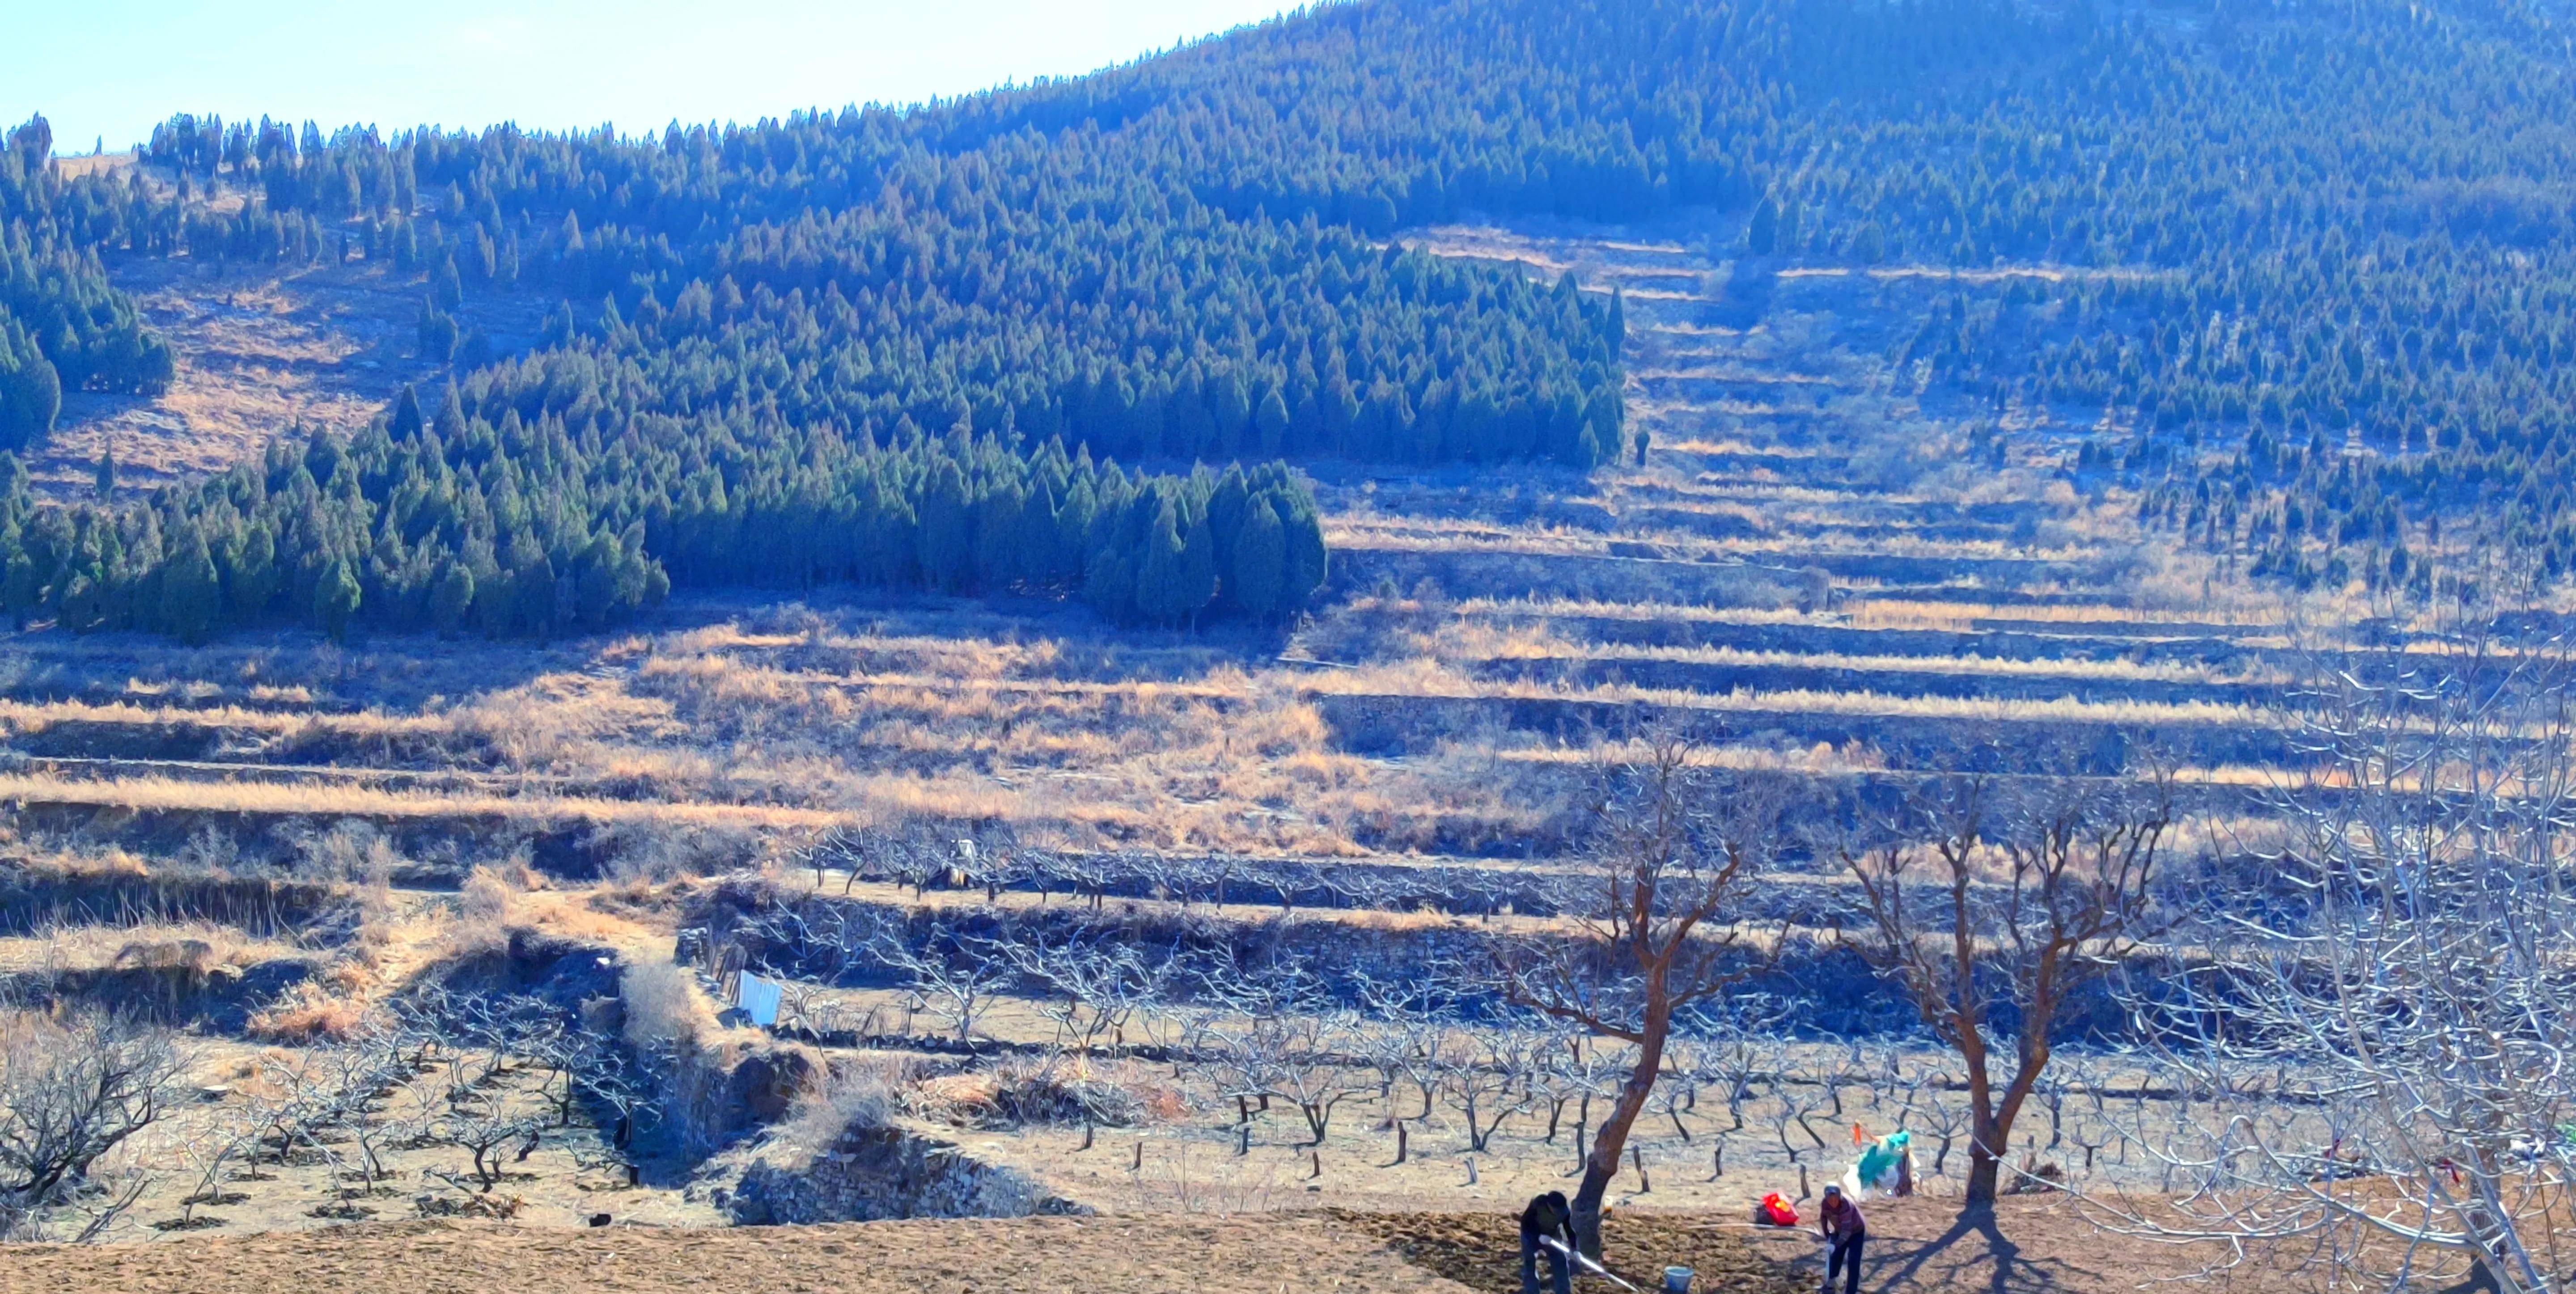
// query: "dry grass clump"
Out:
[1358,530]
[1821,759]
[857,1094]
[1021,1091]
[568,916]
[483,907]
[663,1005]
[1198,753]
[311,1012]
[303,799]
[349,851]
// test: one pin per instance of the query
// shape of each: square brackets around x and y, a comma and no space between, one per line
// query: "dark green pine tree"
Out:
[947,529]
[20,584]
[192,598]
[446,292]
[335,601]
[1270,423]
[1762,233]
[31,392]
[1306,554]
[451,416]
[451,600]
[1260,573]
[1198,571]
[406,422]
[1001,539]
[1162,583]
[253,573]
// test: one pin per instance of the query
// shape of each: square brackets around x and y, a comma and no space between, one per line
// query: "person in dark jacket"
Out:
[1843,1228]
[1548,1217]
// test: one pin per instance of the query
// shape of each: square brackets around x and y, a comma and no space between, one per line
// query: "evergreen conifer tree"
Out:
[191,595]
[335,601]
[1260,573]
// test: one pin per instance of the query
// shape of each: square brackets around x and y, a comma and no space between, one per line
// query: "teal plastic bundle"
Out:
[1879,1158]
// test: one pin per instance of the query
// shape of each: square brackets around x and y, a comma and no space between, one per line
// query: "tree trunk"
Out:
[1611,1141]
[1983,1174]
[1587,1206]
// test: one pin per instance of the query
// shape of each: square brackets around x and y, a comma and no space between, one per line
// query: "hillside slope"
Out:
[2306,282]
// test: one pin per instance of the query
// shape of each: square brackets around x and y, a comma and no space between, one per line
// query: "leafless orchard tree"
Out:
[1794,1101]
[1409,1015]
[1279,1034]
[1314,1069]
[343,1087]
[1586,1067]
[1651,929]
[955,974]
[71,1090]
[2380,1022]
[1730,1063]
[1990,897]
[1095,986]
[1484,1076]
[1945,1115]
[207,1152]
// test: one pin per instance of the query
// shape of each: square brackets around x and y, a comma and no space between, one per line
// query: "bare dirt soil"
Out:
[1238,1255]
[2033,1246]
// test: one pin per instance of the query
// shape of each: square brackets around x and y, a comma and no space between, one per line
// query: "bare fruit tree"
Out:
[954,974]
[2379,1030]
[72,1090]
[1992,901]
[1649,929]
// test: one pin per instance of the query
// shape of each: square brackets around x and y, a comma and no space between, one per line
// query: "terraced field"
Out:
[1815,571]
[1812,557]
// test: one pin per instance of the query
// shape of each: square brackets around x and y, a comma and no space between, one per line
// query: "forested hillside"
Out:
[62,326]
[2288,231]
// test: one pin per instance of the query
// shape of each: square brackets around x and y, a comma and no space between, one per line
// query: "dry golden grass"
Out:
[1819,760]
[1572,608]
[311,1012]
[1535,647]
[99,947]
[1413,535]
[25,717]
[157,793]
[1878,614]
[1424,678]
[260,349]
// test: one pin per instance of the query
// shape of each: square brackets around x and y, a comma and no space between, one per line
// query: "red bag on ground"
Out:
[1778,1211]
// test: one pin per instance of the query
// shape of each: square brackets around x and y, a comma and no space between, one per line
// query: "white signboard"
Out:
[758,998]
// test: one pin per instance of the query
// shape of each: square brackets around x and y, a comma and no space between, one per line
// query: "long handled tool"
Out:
[1587,1264]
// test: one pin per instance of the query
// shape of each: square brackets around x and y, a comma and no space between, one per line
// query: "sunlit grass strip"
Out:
[1433,683]
[158,794]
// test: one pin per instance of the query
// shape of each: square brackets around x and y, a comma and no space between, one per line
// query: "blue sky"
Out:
[112,68]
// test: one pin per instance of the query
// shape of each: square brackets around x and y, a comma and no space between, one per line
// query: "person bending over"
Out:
[1839,1221]
[1548,1217]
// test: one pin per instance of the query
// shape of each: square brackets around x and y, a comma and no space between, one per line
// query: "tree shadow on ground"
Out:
[1973,1255]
